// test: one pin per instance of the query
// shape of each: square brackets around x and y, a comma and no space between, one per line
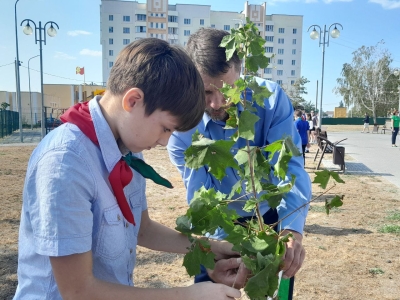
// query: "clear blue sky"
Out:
[78,40]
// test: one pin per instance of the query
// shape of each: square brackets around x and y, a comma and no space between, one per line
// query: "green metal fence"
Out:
[352,121]
[8,122]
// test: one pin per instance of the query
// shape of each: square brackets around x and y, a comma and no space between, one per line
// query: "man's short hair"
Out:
[166,75]
[209,58]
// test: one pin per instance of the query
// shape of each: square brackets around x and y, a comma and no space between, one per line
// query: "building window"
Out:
[126,18]
[126,30]
[111,52]
[279,82]
[172,30]
[186,32]
[281,41]
[280,51]
[293,73]
[294,51]
[212,25]
[293,62]
[140,17]
[227,27]
[281,30]
[110,29]
[186,21]
[279,72]
[202,22]
[126,41]
[280,61]
[294,42]
[110,17]
[291,82]
[140,28]
[269,38]
[268,70]
[110,41]
[172,19]
[269,49]
[294,31]
[110,64]
[269,27]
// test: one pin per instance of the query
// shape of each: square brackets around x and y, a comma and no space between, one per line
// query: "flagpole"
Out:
[83,75]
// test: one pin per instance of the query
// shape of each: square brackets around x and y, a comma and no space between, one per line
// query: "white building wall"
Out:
[217,19]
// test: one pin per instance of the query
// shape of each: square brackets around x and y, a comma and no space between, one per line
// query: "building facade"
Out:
[122,22]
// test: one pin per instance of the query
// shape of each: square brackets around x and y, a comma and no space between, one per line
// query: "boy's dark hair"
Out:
[209,58]
[166,75]
[298,113]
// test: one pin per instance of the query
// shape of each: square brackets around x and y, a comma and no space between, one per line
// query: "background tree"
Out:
[4,105]
[296,91]
[368,81]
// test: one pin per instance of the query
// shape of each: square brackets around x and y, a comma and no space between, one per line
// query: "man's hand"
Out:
[231,272]
[294,255]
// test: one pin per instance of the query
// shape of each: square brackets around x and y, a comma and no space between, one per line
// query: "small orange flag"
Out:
[80,70]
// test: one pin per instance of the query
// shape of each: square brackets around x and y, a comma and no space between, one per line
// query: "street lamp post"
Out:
[335,33]
[30,94]
[17,77]
[42,39]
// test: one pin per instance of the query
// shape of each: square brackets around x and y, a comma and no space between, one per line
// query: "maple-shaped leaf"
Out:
[250,205]
[183,224]
[265,282]
[200,254]
[322,177]
[260,93]
[215,154]
[229,43]
[237,235]
[253,63]
[247,120]
[231,93]
[337,201]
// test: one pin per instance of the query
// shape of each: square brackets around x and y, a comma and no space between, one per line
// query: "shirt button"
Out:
[126,224]
[118,217]
[130,251]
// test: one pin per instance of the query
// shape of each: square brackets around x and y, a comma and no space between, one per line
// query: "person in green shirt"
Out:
[395,126]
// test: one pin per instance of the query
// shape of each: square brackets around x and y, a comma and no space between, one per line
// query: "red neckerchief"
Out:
[121,175]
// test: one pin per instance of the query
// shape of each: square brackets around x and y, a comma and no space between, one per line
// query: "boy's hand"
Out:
[231,272]
[209,290]
[294,255]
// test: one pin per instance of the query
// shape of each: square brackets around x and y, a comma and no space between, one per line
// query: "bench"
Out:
[326,146]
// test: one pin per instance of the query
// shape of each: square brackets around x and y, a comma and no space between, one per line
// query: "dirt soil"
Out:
[347,256]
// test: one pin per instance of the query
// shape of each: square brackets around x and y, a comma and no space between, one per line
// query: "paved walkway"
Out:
[371,154]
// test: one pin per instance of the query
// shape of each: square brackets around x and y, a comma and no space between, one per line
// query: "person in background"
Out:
[366,123]
[311,132]
[276,121]
[303,128]
[395,120]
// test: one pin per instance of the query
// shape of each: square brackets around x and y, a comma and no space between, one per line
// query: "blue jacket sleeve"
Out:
[279,120]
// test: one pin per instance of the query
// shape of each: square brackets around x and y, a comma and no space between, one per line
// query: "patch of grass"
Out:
[317,208]
[171,208]
[394,216]
[321,247]
[389,228]
[376,271]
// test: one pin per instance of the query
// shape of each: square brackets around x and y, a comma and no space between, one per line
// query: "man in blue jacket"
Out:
[276,121]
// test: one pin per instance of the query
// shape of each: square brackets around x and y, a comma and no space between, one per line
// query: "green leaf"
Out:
[260,93]
[198,256]
[183,224]
[237,235]
[273,148]
[215,154]
[291,146]
[336,177]
[253,63]
[322,177]
[232,121]
[337,201]
[247,120]
[266,281]
[250,205]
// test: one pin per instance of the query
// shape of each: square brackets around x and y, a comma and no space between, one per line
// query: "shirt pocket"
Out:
[112,238]
[136,207]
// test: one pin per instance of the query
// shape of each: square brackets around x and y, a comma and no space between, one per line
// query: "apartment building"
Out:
[122,22]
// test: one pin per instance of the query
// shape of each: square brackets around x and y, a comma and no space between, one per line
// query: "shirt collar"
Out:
[207,119]
[108,145]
